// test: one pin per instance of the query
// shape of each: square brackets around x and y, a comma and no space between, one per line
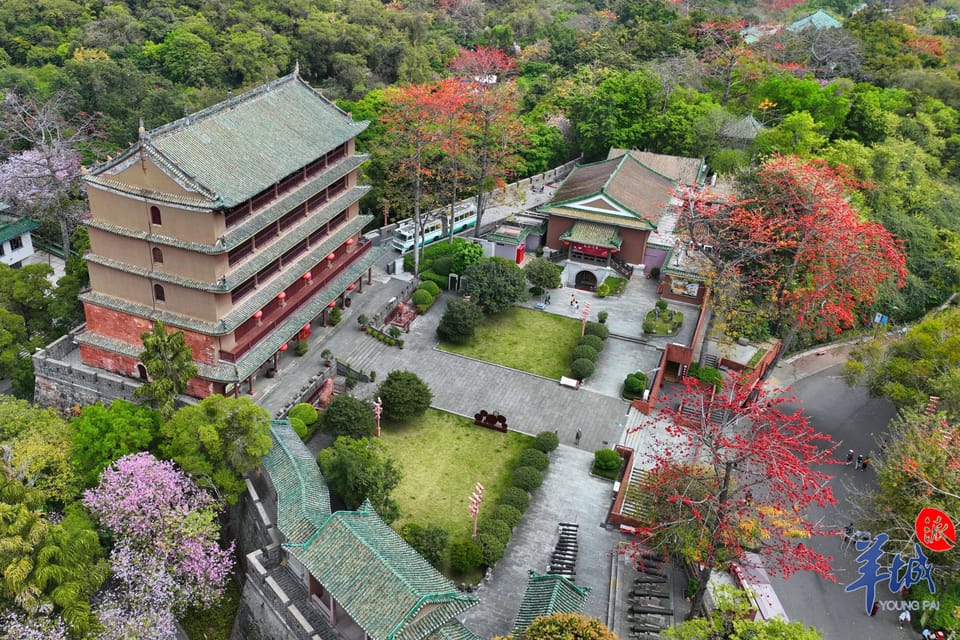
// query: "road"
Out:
[855,420]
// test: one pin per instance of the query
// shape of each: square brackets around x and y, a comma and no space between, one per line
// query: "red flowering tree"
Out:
[416,119]
[492,107]
[793,245]
[738,477]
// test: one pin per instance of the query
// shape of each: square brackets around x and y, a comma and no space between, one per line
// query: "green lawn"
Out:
[443,456]
[666,324]
[524,339]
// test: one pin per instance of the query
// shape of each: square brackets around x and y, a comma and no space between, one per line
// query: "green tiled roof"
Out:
[545,595]
[16,228]
[253,359]
[626,222]
[598,235]
[234,150]
[819,19]
[692,266]
[388,589]
[303,502]
[453,630]
[261,259]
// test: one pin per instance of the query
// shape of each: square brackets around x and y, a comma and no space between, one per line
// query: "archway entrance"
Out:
[586,280]
[142,371]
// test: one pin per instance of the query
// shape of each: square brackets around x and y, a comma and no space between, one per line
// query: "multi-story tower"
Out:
[237,225]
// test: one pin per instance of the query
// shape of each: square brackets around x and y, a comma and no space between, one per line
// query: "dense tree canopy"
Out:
[218,441]
[358,469]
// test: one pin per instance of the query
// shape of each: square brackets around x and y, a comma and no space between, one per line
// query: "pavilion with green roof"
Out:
[545,595]
[356,569]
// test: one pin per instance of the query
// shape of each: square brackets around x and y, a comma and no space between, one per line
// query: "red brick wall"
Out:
[128,328]
[127,366]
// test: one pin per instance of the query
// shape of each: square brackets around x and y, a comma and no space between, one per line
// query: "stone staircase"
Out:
[365,356]
[638,484]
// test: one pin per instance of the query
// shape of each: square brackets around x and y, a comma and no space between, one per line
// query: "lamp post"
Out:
[377,412]
[475,501]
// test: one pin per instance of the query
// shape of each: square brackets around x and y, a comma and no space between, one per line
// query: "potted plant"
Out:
[362,321]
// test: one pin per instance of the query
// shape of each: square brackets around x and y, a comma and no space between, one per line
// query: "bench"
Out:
[573,383]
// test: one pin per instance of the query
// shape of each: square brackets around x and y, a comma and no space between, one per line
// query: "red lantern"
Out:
[331,257]
[332,304]
[351,287]
[566,243]
[258,314]
[283,347]
[349,241]
[282,296]
[307,276]
[306,327]
[613,250]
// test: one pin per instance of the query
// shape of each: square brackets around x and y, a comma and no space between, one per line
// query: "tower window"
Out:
[158,293]
[157,254]
[155,215]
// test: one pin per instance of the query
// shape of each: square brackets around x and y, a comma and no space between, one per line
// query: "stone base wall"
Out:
[67,384]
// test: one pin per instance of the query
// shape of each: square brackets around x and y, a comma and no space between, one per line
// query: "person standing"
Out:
[904,618]
[850,457]
[865,464]
[577,437]
[573,298]
[859,462]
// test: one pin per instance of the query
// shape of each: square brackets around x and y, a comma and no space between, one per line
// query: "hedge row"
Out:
[583,358]
[494,531]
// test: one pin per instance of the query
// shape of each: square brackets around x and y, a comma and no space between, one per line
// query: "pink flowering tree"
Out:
[166,551]
[41,174]
[16,627]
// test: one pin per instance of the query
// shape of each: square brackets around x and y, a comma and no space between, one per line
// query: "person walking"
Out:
[859,462]
[850,457]
[865,464]
[573,298]
[904,618]
[577,437]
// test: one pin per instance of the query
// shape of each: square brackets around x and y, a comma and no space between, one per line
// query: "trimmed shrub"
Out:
[423,299]
[442,266]
[603,290]
[516,498]
[430,287]
[648,326]
[635,383]
[596,329]
[495,528]
[492,549]
[534,458]
[527,478]
[546,441]
[304,411]
[362,320]
[655,272]
[436,278]
[465,556]
[606,463]
[301,347]
[510,515]
[592,341]
[662,305]
[430,541]
[602,316]
[584,351]
[582,369]
[299,427]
